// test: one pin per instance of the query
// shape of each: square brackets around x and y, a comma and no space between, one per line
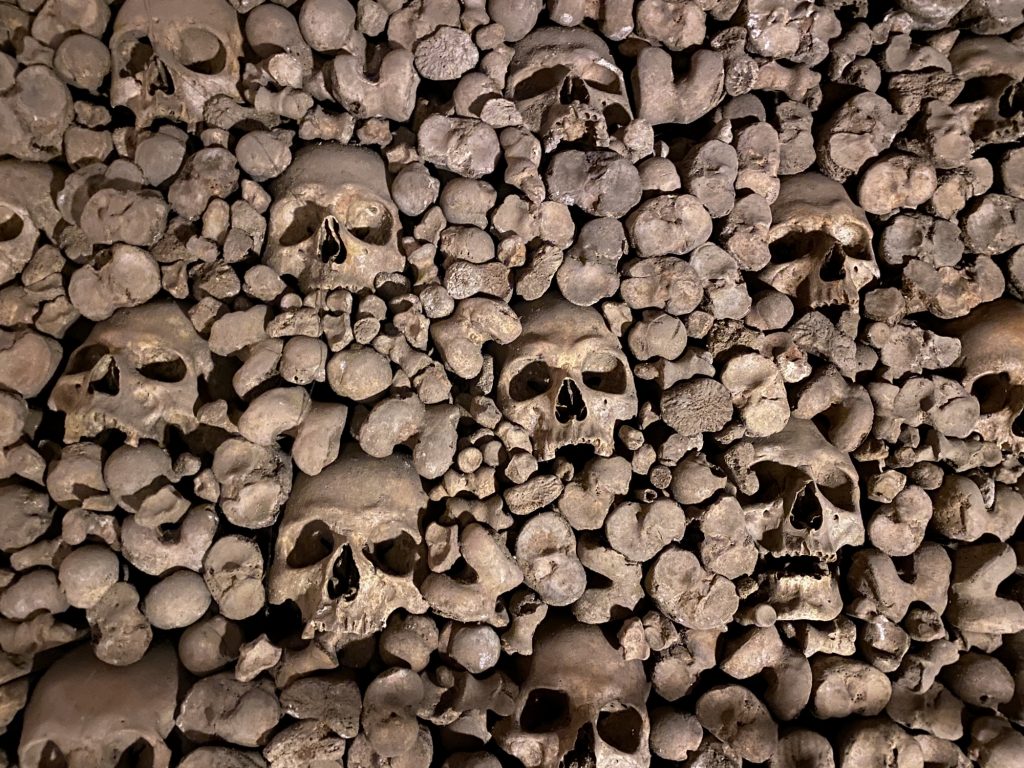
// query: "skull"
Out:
[820,243]
[565,379]
[170,57]
[87,714]
[26,209]
[347,547]
[992,101]
[800,494]
[992,365]
[137,372]
[582,704]
[566,86]
[333,223]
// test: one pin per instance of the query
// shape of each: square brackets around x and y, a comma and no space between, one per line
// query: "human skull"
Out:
[565,379]
[27,209]
[333,222]
[992,364]
[992,99]
[800,494]
[566,86]
[582,704]
[170,57]
[137,372]
[820,243]
[87,714]
[347,547]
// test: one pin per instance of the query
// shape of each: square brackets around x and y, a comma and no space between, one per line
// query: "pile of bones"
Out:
[486,383]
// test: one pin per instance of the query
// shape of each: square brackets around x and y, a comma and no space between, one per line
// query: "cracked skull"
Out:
[582,704]
[820,243]
[170,57]
[333,222]
[567,87]
[137,372]
[800,494]
[347,547]
[992,365]
[87,714]
[565,379]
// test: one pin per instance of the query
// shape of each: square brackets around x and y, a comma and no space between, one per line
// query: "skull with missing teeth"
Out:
[820,243]
[348,545]
[582,704]
[87,714]
[170,57]
[565,379]
[800,494]
[567,87]
[137,372]
[333,223]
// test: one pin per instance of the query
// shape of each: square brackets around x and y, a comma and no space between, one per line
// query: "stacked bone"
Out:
[597,384]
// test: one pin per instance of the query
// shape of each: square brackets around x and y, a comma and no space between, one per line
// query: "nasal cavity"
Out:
[574,90]
[330,240]
[109,383]
[343,583]
[570,406]
[583,754]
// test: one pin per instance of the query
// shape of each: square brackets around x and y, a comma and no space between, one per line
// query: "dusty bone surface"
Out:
[472,384]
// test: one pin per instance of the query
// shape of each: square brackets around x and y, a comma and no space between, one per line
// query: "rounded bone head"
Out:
[333,222]
[170,57]
[27,209]
[582,703]
[137,372]
[87,714]
[347,546]
[565,378]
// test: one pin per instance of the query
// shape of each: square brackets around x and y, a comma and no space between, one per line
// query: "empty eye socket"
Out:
[306,219]
[201,51]
[138,755]
[533,380]
[541,81]
[771,480]
[138,54]
[396,556]
[314,543]
[546,710]
[799,245]
[52,757]
[169,371]
[622,730]
[11,224]
[85,359]
[602,79]
[992,392]
[840,493]
[370,221]
[605,373]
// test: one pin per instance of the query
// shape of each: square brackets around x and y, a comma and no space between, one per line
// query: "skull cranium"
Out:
[565,379]
[137,372]
[820,243]
[333,222]
[87,714]
[582,704]
[27,209]
[347,547]
[566,86]
[170,57]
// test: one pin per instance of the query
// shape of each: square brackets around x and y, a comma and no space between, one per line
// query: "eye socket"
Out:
[306,219]
[771,480]
[138,755]
[545,711]
[839,492]
[201,51]
[992,392]
[167,371]
[138,54]
[314,543]
[533,380]
[605,373]
[85,358]
[539,82]
[396,556]
[602,78]
[11,224]
[622,730]
[369,221]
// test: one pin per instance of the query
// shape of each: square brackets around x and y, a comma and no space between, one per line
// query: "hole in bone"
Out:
[992,392]
[834,266]
[807,511]
[533,379]
[605,373]
[1011,101]
[1017,426]
[285,625]
[369,221]
[52,757]
[539,82]
[573,90]
[582,754]
[622,730]
[168,371]
[396,556]
[314,543]
[138,755]
[602,78]
[138,58]
[330,240]
[11,224]
[839,491]
[110,382]
[344,581]
[85,359]
[570,405]
[546,710]
[306,221]
[201,52]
